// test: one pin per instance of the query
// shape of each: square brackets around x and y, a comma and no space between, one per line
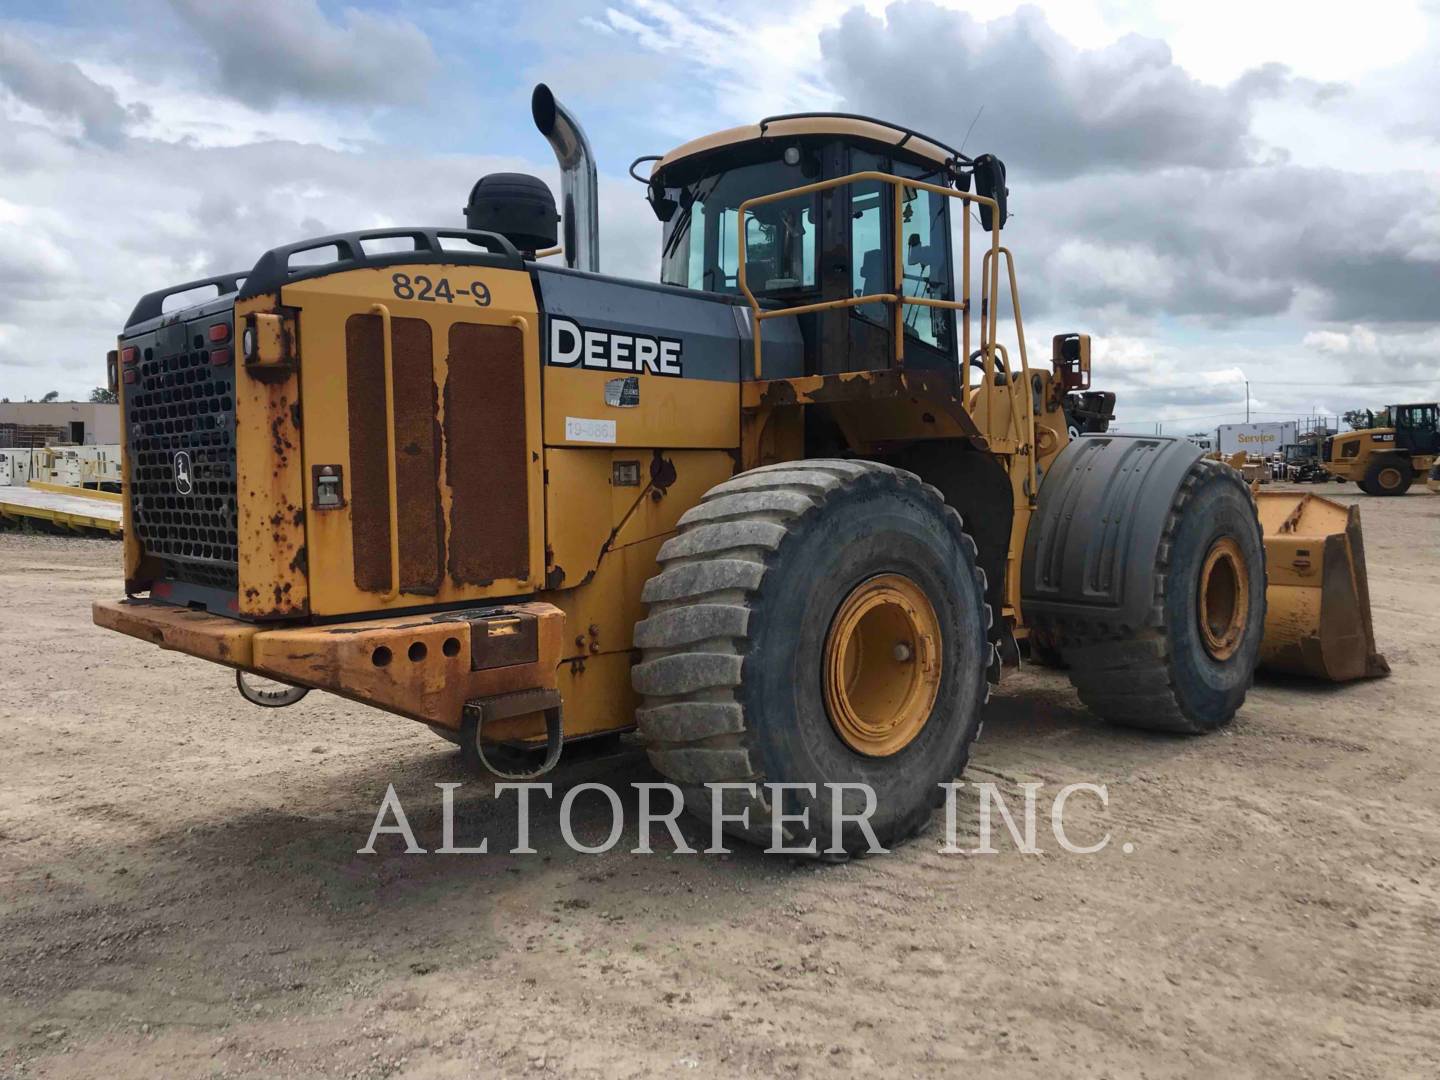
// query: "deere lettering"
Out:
[573,345]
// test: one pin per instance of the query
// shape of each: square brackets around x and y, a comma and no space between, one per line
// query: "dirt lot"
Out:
[180,892]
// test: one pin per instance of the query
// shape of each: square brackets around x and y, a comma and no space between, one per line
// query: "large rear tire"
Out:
[816,622]
[1189,669]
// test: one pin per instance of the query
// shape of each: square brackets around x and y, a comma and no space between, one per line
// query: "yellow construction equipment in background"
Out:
[1317,619]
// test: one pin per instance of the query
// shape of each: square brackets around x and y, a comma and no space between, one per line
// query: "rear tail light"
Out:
[220,357]
[130,355]
[132,375]
[220,332]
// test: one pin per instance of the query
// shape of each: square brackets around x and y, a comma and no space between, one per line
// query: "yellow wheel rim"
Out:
[1224,598]
[882,665]
[1389,478]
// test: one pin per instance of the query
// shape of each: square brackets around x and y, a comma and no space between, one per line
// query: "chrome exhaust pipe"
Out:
[579,187]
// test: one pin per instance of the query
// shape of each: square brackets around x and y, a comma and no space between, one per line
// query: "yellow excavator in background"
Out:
[789,512]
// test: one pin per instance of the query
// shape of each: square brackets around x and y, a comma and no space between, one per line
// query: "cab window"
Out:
[925,226]
[701,249]
[925,266]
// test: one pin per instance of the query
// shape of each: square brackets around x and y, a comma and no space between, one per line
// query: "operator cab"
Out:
[1417,427]
[832,244]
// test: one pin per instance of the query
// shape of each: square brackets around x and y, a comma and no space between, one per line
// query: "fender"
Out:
[1091,548]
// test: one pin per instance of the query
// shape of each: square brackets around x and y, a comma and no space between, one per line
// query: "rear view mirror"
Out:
[990,182]
[660,202]
[1070,355]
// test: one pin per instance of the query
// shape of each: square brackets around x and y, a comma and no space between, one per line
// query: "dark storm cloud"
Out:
[1239,243]
[59,89]
[1055,108]
[1139,189]
[273,49]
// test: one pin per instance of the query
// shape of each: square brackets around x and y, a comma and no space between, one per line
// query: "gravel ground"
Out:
[180,892]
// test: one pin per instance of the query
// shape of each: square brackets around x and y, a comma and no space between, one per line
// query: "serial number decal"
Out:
[421,287]
[583,429]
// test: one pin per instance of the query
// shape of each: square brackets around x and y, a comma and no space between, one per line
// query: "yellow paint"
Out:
[269,483]
[882,665]
[417,666]
[84,493]
[325,304]
[672,412]
[1317,595]
[618,566]
[56,517]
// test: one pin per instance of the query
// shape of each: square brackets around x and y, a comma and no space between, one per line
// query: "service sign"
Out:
[1258,440]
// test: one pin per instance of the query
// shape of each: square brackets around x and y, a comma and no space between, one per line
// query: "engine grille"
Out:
[182,412]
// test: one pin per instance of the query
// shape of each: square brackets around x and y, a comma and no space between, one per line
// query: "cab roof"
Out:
[795,125]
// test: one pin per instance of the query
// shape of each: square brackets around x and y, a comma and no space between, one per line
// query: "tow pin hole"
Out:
[417,651]
[381,656]
[451,646]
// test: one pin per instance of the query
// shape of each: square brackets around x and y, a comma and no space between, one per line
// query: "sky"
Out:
[1219,194]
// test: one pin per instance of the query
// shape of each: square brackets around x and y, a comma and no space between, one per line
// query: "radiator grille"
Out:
[182,411]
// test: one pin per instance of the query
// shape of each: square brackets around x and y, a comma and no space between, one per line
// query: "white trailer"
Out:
[1257,440]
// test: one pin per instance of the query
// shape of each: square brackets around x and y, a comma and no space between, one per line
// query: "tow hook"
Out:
[506,762]
[269,699]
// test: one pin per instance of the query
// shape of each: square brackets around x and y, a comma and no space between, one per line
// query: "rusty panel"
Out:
[485,412]
[210,637]
[326,305]
[270,484]
[418,666]
[417,454]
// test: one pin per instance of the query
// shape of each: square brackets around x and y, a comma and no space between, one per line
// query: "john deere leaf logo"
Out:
[183,482]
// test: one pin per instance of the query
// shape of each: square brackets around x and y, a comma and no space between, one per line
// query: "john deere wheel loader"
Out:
[786,512]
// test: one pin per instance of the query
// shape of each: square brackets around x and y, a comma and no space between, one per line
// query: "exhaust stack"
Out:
[579,188]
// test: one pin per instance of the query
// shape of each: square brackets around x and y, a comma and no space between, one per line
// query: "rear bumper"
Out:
[425,667]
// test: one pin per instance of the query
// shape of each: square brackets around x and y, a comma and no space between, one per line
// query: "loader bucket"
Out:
[1317,619]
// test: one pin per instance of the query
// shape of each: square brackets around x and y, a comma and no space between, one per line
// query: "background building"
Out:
[44,423]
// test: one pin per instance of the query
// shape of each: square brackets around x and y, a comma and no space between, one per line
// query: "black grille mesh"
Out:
[182,402]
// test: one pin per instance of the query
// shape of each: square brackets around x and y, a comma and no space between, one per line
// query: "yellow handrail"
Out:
[391,480]
[989,271]
[1019,335]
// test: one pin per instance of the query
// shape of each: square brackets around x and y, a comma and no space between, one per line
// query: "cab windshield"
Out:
[701,249]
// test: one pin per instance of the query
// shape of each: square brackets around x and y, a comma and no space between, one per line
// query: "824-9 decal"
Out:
[421,287]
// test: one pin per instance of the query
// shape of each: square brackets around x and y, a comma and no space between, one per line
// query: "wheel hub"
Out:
[1224,598]
[882,665]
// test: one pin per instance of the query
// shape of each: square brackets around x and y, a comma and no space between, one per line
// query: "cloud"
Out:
[273,49]
[1233,245]
[1140,191]
[59,90]
[169,212]
[1375,355]
[1050,108]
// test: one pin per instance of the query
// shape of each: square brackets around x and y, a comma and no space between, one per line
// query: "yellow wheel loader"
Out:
[1387,460]
[787,513]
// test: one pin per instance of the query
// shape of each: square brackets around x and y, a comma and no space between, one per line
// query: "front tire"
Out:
[1190,669]
[815,622]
